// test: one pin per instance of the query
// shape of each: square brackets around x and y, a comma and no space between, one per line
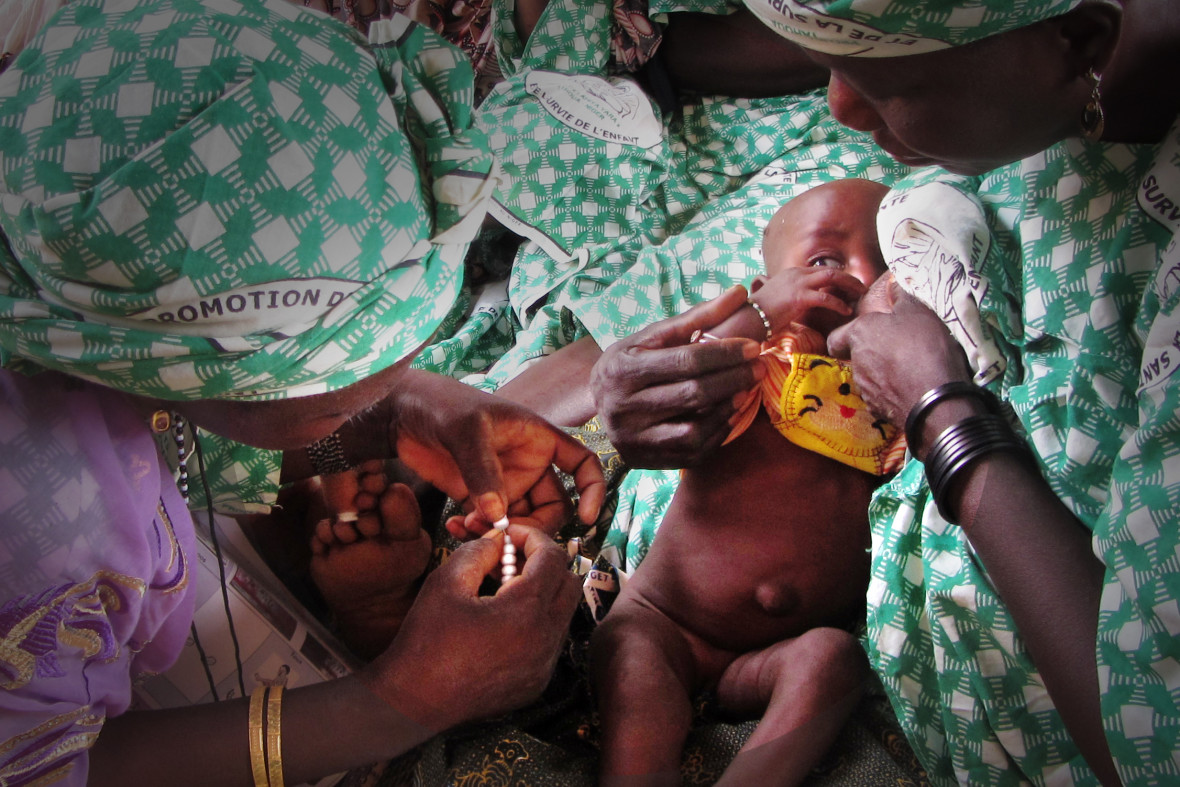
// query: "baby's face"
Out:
[832,225]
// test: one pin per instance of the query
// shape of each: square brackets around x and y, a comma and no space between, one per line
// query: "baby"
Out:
[761,564]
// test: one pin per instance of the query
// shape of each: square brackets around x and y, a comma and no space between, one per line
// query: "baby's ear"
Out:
[759,280]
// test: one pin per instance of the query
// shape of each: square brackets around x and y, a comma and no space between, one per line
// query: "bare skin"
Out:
[724,54]
[735,55]
[970,109]
[762,555]
[368,569]
[405,696]
[499,459]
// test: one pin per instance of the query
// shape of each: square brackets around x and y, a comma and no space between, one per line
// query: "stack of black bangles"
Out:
[962,443]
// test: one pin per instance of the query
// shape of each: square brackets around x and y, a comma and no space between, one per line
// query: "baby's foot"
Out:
[368,563]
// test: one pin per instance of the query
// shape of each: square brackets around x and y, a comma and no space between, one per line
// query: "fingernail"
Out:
[751,350]
[759,372]
[491,505]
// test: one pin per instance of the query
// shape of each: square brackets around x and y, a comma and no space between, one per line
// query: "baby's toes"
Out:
[400,515]
[369,524]
[322,537]
[345,530]
[374,483]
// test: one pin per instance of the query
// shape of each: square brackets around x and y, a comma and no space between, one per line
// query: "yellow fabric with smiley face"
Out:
[812,401]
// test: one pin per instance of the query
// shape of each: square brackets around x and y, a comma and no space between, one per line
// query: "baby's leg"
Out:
[368,567]
[643,675]
[809,687]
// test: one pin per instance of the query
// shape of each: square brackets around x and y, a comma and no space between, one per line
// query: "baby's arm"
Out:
[790,296]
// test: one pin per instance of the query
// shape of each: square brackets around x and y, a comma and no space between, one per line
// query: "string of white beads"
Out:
[181,455]
[508,559]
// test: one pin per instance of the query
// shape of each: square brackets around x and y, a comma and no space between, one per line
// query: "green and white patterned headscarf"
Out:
[231,198]
[889,28]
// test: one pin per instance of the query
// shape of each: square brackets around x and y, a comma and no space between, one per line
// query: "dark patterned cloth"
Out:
[468,25]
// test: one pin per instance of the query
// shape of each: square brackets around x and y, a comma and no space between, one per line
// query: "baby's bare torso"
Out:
[763,541]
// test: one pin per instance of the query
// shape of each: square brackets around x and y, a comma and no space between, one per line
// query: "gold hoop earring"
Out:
[1093,118]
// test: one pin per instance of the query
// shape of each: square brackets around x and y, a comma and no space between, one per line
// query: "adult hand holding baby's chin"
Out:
[665,400]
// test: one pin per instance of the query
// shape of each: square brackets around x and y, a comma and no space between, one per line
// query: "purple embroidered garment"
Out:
[94,576]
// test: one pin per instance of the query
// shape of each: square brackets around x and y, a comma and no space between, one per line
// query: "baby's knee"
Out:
[837,658]
[624,637]
[639,648]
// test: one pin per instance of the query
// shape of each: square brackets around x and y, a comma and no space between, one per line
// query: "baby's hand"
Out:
[820,298]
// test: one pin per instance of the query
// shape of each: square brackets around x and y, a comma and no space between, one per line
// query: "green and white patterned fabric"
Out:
[238,200]
[582,157]
[794,144]
[889,28]
[219,201]
[1082,297]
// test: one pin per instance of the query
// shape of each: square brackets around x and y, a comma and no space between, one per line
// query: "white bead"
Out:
[509,547]
[509,570]
[508,560]
[501,524]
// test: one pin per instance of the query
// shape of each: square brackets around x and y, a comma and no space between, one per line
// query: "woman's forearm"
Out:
[1039,557]
[557,386]
[326,728]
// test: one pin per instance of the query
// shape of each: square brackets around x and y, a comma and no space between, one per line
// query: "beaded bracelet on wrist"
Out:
[327,455]
[765,319]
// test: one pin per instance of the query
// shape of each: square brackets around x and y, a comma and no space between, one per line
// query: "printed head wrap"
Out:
[222,199]
[889,28]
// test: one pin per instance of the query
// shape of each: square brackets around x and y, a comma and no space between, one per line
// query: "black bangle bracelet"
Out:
[962,444]
[939,393]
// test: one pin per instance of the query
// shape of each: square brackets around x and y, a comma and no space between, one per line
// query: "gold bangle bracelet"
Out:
[274,737]
[257,742]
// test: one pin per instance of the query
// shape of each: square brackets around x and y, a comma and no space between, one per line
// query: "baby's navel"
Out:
[776,598]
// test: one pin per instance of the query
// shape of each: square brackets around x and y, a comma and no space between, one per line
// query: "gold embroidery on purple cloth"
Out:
[139,468]
[176,556]
[74,615]
[34,758]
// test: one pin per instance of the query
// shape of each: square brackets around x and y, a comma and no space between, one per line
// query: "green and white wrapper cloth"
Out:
[582,157]
[1079,291]
[231,200]
[889,28]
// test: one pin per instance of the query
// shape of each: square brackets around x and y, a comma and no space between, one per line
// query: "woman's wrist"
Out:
[930,418]
[369,434]
[365,729]
[962,445]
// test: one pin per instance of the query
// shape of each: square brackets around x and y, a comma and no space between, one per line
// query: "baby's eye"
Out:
[824,261]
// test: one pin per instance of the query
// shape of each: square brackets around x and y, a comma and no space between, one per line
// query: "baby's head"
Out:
[833,224]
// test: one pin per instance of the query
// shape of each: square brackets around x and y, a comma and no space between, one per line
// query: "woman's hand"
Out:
[897,356]
[665,400]
[460,656]
[495,457]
